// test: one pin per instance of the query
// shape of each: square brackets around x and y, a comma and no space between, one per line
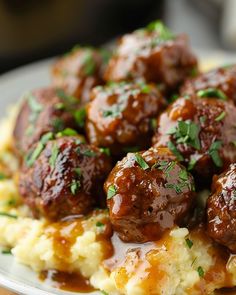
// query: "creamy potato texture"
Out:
[182,262]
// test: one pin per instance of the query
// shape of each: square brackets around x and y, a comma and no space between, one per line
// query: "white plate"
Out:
[13,275]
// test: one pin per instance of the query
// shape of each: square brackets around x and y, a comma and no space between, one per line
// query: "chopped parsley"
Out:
[175,151]
[153,123]
[105,151]
[165,166]
[186,132]
[67,132]
[142,163]
[89,64]
[189,243]
[4,214]
[65,97]
[214,153]
[113,112]
[2,176]
[6,251]
[58,124]
[203,119]
[220,117]
[78,171]
[182,182]
[36,109]
[33,155]
[46,137]
[111,192]
[80,116]
[200,271]
[164,33]
[212,92]
[89,153]
[100,224]
[191,164]
[75,186]
[59,106]
[104,292]
[54,154]
[145,88]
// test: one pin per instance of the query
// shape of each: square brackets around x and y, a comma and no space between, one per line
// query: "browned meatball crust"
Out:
[119,116]
[153,54]
[200,132]
[78,72]
[66,178]
[43,110]
[222,79]
[148,193]
[221,209]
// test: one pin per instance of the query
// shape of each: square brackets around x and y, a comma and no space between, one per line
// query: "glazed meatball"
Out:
[221,81]
[64,177]
[78,72]
[119,116]
[201,133]
[148,193]
[221,209]
[44,110]
[153,54]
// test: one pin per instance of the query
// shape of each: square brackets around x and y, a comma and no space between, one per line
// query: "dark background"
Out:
[34,29]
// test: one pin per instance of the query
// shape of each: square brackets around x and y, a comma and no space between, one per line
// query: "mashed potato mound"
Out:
[182,262]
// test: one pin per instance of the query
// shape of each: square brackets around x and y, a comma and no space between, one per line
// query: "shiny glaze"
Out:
[138,56]
[28,131]
[143,206]
[194,109]
[131,125]
[47,189]
[70,73]
[221,209]
[221,78]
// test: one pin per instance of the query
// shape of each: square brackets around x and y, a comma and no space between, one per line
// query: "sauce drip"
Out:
[74,282]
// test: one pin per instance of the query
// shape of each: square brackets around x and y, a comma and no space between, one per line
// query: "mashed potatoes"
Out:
[180,263]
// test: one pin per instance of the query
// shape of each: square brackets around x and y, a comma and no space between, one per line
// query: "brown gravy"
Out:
[74,282]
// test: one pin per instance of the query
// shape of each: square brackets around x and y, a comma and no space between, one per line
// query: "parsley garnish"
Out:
[163,32]
[4,214]
[75,186]
[145,88]
[104,292]
[32,156]
[220,117]
[142,163]
[54,154]
[203,119]
[65,97]
[2,176]
[111,192]
[36,109]
[186,132]
[80,116]
[58,124]
[192,163]
[153,123]
[175,151]
[89,153]
[78,171]
[189,243]
[105,151]
[46,137]
[67,132]
[200,271]
[214,153]
[89,63]
[99,224]
[212,92]
[6,251]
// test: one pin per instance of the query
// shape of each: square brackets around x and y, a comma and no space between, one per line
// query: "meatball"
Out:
[221,81]
[153,54]
[63,177]
[221,209]
[201,133]
[148,193]
[78,72]
[44,110]
[119,116]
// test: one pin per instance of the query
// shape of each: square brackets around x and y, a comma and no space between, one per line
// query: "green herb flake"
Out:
[4,214]
[33,156]
[67,132]
[183,175]
[145,88]
[153,123]
[54,155]
[75,186]
[104,292]
[105,151]
[142,163]
[200,272]
[11,202]
[164,34]
[89,64]
[111,192]
[100,224]
[189,243]
[58,124]
[46,137]
[78,171]
[212,92]
[33,104]
[192,164]
[203,119]
[6,252]
[175,151]
[80,116]
[214,153]
[2,176]
[59,106]
[65,97]
[89,153]
[220,117]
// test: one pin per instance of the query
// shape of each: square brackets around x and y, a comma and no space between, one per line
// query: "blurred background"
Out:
[31,29]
